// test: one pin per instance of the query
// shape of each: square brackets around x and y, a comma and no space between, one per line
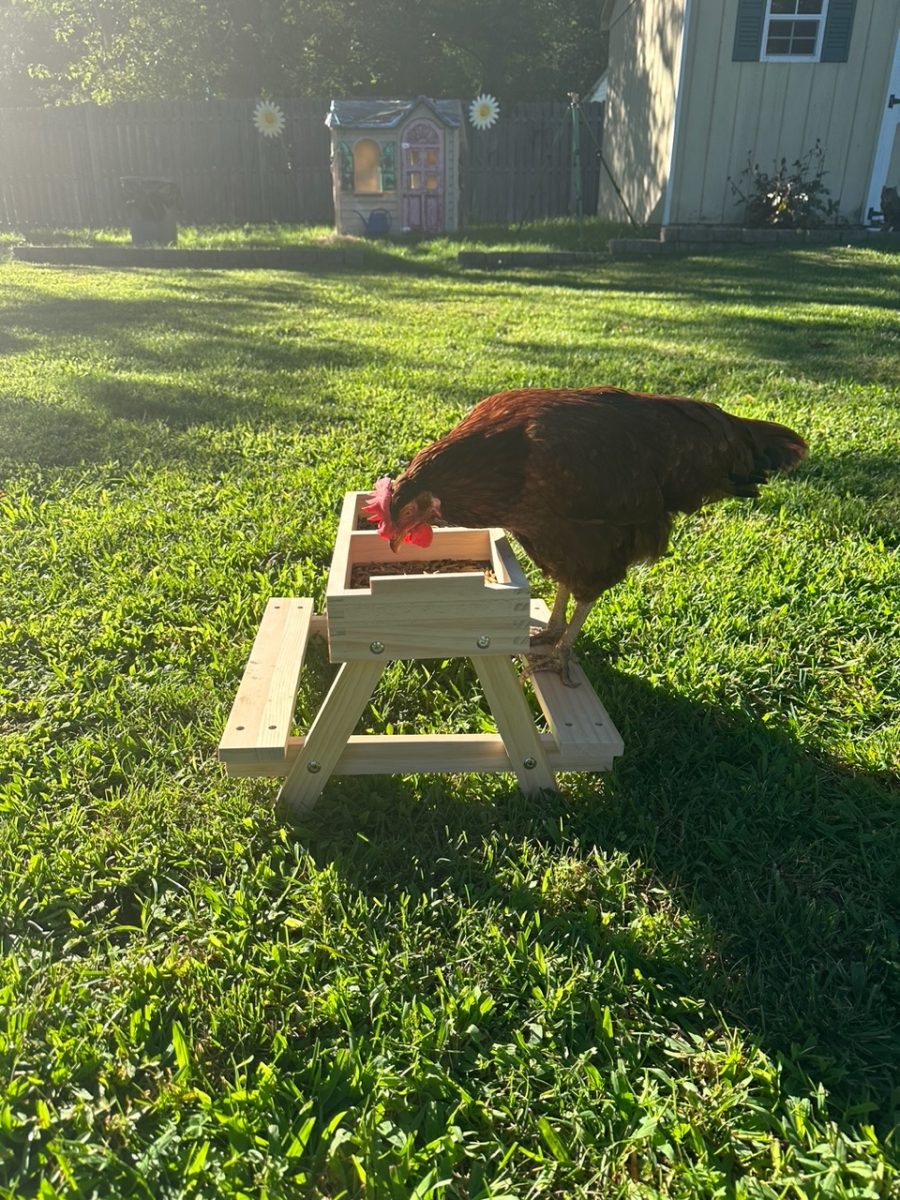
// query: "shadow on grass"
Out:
[825,350]
[174,365]
[806,277]
[151,425]
[169,328]
[790,864]
[827,353]
[201,335]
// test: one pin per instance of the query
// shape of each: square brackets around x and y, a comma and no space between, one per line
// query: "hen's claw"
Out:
[557,635]
[560,663]
[542,636]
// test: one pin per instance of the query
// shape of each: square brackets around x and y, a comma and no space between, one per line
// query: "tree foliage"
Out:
[64,51]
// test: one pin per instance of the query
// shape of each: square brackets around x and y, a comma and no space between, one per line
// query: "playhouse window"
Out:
[366,166]
[417,157]
[793,29]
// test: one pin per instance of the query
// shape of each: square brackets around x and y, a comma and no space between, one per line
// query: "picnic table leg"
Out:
[515,723]
[328,736]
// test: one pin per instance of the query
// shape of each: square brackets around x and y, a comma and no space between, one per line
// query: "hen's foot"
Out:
[542,635]
[553,660]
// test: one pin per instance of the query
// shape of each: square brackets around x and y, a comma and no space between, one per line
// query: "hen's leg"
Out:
[560,657]
[556,626]
[563,650]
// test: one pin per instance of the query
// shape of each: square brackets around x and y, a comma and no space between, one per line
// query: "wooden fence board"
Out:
[60,167]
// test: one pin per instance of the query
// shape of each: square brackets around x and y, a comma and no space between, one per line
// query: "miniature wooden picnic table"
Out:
[373,619]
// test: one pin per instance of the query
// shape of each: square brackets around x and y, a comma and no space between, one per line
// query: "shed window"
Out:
[794,29]
[366,166]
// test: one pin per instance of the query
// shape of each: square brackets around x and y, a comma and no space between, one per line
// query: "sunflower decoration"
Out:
[268,119]
[484,111]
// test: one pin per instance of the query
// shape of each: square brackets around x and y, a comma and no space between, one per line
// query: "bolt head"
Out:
[377,647]
[483,642]
[529,764]
[313,767]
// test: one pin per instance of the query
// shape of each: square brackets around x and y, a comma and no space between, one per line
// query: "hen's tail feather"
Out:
[773,448]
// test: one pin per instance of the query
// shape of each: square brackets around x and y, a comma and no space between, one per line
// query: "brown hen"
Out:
[587,480]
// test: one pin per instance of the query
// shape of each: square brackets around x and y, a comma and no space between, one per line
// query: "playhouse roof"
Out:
[388,114]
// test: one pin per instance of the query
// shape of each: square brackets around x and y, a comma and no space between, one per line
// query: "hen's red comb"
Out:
[378,509]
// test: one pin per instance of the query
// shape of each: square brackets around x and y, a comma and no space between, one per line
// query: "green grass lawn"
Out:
[678,980]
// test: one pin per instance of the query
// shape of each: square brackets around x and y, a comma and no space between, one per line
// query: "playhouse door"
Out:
[423,178]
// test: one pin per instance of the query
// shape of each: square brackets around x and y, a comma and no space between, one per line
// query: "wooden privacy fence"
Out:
[521,169]
[60,167]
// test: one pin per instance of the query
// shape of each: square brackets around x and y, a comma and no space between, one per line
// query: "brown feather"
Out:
[589,480]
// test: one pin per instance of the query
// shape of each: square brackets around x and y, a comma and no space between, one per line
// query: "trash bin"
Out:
[151,205]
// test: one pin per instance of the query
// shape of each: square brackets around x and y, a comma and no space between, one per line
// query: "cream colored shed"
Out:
[694,87]
[396,165]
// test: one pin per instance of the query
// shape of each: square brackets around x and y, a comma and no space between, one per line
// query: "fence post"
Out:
[575,202]
[93,183]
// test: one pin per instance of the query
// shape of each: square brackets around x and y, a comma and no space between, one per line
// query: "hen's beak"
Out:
[396,541]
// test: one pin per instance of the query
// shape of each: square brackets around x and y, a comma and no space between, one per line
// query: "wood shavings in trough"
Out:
[361,573]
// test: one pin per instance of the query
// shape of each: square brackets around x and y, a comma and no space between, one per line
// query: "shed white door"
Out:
[886,170]
[423,178]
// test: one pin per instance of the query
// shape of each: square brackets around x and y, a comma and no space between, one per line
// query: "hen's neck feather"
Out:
[478,476]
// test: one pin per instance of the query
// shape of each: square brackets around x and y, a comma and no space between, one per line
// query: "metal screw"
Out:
[483,642]
[314,767]
[529,764]
[377,647]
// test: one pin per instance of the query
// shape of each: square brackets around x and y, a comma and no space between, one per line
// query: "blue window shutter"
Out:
[345,160]
[389,167]
[838,28]
[748,30]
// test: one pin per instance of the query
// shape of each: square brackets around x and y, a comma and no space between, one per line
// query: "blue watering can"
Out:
[377,223]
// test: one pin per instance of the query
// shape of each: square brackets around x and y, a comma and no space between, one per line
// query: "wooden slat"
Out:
[439,753]
[328,736]
[338,575]
[506,566]
[577,719]
[515,723]
[424,616]
[582,736]
[401,754]
[449,621]
[260,722]
[449,542]
[575,715]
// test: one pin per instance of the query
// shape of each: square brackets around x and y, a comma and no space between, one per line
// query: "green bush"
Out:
[789,199]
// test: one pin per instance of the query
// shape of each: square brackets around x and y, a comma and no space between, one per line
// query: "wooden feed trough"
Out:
[462,596]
